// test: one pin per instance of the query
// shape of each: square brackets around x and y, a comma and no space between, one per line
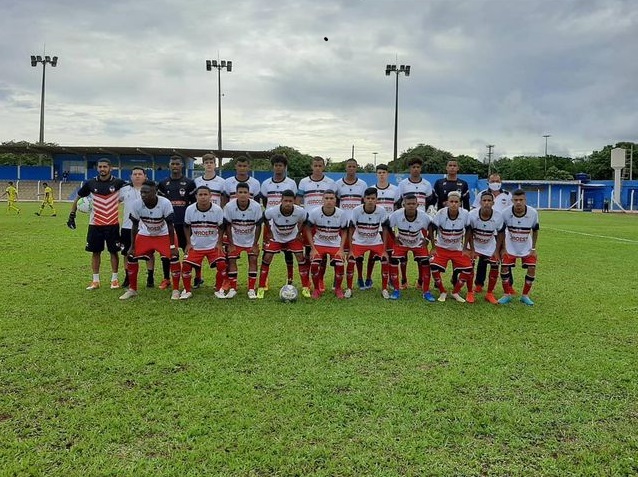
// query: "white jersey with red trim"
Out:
[367,225]
[216,186]
[409,233]
[152,222]
[484,231]
[518,231]
[387,197]
[350,195]
[421,189]
[128,195]
[328,227]
[230,187]
[272,190]
[285,228]
[243,222]
[449,231]
[311,191]
[204,225]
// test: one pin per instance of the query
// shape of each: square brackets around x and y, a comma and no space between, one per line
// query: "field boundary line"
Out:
[592,235]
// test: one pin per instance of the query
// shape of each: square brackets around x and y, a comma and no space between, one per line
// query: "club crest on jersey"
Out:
[182,192]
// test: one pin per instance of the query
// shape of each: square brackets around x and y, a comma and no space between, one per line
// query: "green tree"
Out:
[553,173]
[24,159]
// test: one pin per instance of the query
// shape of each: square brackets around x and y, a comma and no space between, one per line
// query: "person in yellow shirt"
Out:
[48,200]
[12,197]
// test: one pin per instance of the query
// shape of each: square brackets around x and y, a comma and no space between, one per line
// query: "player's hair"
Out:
[10,182]
[106,160]
[138,168]
[382,167]
[209,157]
[352,159]
[409,196]
[329,192]
[45,184]
[415,160]
[242,185]
[279,159]
[150,183]
[486,192]
[319,159]
[242,159]
[452,160]
[518,192]
[370,191]
[493,176]
[176,158]
[202,187]
[288,193]
[454,193]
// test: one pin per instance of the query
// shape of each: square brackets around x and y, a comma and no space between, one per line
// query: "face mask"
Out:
[494,186]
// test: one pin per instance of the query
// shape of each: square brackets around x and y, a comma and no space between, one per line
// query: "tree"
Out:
[553,173]
[29,159]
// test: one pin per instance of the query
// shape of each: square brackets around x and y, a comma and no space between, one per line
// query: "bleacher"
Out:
[62,191]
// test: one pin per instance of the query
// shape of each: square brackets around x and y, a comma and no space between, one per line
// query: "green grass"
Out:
[94,386]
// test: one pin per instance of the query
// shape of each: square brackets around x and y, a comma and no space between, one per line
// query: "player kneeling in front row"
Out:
[330,225]
[284,223]
[453,243]
[203,227]
[410,227]
[152,231]
[365,222]
[487,235]
[243,218]
[521,233]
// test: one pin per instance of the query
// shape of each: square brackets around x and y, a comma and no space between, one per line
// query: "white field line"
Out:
[592,235]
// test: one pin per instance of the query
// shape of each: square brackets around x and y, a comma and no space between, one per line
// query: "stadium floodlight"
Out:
[405,69]
[35,59]
[219,65]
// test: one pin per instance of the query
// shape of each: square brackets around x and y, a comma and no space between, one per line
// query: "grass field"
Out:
[91,385]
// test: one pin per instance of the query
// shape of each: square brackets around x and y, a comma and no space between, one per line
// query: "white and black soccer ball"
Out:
[85,205]
[288,293]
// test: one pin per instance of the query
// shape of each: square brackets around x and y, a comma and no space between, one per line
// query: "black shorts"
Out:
[125,240]
[181,236]
[97,235]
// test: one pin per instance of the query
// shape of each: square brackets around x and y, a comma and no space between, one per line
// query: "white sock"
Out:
[114,276]
[96,277]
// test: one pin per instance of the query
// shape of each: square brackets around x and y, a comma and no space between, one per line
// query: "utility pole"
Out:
[489,159]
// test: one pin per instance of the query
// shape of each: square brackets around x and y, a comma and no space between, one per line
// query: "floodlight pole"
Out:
[375,158]
[546,136]
[34,62]
[219,65]
[405,69]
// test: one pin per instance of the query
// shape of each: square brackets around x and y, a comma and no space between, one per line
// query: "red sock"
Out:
[385,268]
[131,269]
[252,279]
[338,275]
[438,283]
[425,277]
[176,273]
[350,273]
[186,276]
[304,273]
[493,278]
[263,274]
[221,274]
[528,284]
[394,275]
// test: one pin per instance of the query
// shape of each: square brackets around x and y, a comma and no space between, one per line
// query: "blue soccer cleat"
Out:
[361,284]
[505,299]
[395,295]
[368,284]
[527,300]
[429,297]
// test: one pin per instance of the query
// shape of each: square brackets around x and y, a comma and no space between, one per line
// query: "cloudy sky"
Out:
[502,72]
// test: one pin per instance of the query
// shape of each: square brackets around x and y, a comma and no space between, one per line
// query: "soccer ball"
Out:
[85,205]
[288,293]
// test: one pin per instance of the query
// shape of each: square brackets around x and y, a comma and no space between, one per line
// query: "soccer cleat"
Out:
[252,295]
[260,292]
[37,213]
[368,284]
[198,282]
[316,294]
[128,294]
[457,297]
[165,284]
[428,296]
[115,284]
[527,300]
[175,295]
[504,300]
[347,293]
[305,292]
[185,295]
[339,293]
[361,284]
[54,215]
[232,293]
[478,288]
[220,293]
[395,295]
[470,297]
[442,296]
[491,298]
[385,294]
[93,286]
